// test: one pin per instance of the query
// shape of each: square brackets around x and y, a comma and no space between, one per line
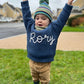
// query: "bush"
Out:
[82,24]
[75,19]
[70,21]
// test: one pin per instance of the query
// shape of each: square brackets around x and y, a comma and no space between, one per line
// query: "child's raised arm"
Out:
[63,17]
[27,17]
[70,2]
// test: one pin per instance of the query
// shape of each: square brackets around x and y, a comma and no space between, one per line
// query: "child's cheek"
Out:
[35,23]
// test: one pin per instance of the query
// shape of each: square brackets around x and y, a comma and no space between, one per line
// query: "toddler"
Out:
[42,36]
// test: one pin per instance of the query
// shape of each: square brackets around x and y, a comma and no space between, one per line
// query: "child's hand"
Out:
[70,2]
[24,0]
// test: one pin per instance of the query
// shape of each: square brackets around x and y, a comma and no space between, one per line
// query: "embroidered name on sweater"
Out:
[39,39]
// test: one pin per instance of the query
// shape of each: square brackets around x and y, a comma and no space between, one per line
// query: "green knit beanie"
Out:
[44,9]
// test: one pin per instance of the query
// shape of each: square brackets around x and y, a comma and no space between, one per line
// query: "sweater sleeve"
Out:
[62,18]
[28,21]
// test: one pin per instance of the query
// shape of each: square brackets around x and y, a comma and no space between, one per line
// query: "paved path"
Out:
[67,41]
[11,29]
[71,41]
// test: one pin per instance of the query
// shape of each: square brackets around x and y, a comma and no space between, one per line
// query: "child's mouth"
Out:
[40,24]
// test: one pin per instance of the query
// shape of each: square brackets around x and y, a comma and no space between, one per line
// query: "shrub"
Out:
[74,20]
[70,20]
[82,24]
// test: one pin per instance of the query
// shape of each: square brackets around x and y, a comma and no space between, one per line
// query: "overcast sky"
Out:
[54,4]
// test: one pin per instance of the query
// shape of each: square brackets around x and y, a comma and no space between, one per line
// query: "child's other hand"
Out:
[24,0]
[70,2]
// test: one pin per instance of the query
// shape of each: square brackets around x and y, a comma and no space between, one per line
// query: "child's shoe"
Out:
[36,82]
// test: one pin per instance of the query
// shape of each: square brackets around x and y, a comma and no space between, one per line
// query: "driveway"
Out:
[68,41]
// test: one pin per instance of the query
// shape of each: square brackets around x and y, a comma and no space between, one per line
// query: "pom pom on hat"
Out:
[42,1]
[44,9]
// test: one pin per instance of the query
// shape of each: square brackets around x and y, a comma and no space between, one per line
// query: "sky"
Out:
[54,4]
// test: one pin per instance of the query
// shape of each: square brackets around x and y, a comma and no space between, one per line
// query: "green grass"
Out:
[73,29]
[67,68]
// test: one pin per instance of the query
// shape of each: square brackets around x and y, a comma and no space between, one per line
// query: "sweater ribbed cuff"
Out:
[68,7]
[24,3]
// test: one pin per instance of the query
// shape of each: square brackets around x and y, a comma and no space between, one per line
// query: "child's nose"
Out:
[40,20]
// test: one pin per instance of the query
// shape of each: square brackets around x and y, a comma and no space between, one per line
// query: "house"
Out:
[1,11]
[8,10]
[79,3]
[78,8]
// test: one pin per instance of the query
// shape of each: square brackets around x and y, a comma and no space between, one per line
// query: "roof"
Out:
[1,15]
[12,7]
[1,6]
[79,3]
[18,9]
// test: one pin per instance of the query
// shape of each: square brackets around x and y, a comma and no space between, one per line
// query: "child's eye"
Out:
[44,18]
[37,18]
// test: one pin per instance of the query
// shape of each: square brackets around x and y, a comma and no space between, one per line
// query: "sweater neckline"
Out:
[44,30]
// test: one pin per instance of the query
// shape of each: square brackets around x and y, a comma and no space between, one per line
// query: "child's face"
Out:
[41,20]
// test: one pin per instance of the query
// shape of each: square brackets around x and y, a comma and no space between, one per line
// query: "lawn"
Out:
[73,29]
[67,68]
